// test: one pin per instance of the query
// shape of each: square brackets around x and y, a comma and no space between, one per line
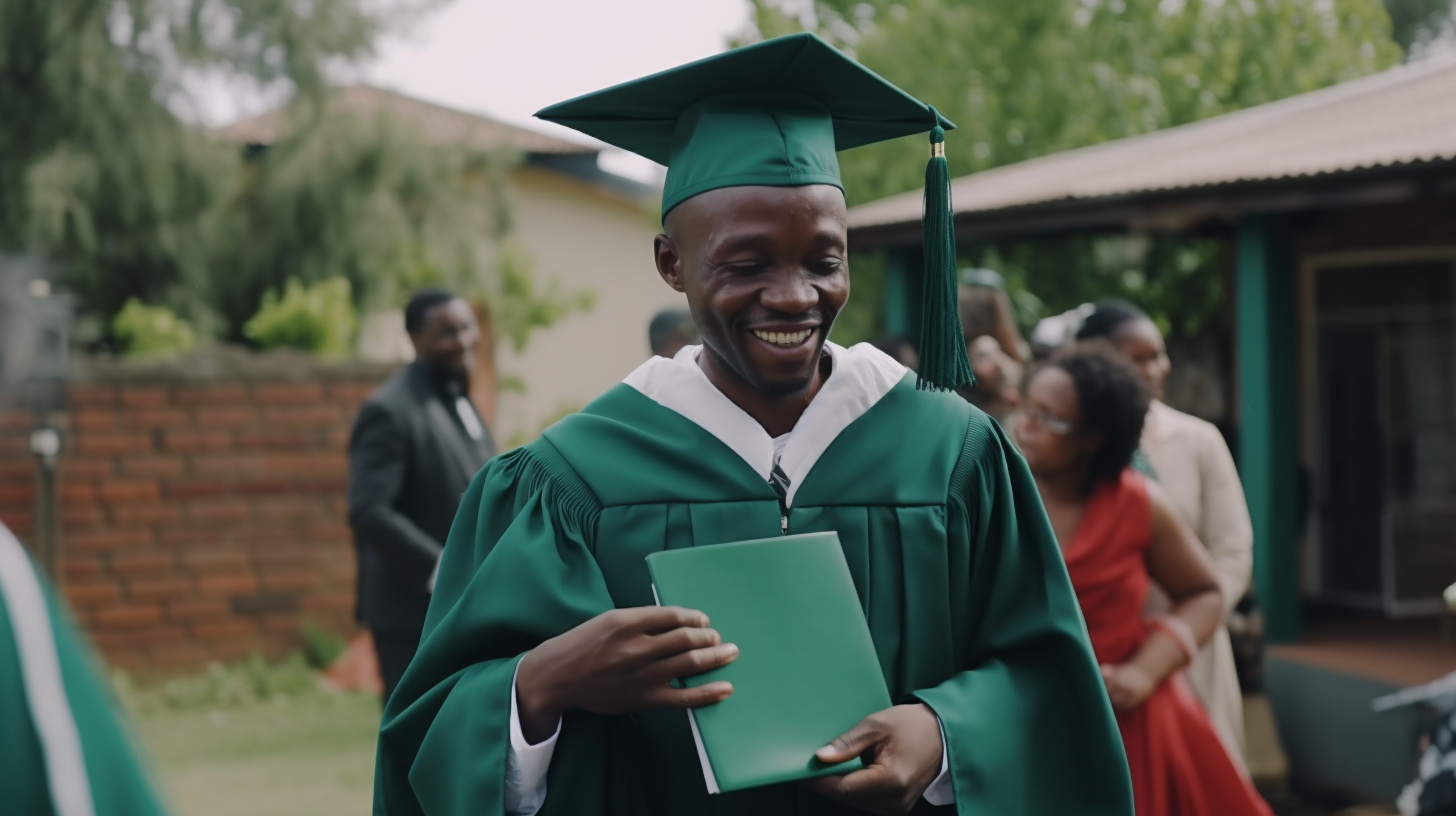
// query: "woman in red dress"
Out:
[1082,420]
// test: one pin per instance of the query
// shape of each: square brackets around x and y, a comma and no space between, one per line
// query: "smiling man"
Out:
[542,684]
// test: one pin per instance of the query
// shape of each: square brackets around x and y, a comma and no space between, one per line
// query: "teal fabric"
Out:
[958,572]
[120,784]
[773,113]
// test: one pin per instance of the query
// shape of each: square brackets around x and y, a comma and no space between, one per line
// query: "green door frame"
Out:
[1268,399]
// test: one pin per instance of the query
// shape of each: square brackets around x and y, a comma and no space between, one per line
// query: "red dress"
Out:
[1179,766]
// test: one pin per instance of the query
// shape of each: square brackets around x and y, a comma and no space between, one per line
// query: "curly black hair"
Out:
[1114,401]
[1109,316]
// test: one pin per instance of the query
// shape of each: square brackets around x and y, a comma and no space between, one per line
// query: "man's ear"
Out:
[669,262]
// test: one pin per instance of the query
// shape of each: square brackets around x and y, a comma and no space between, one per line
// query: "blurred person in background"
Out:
[1082,420]
[416,445]
[899,348]
[998,354]
[1192,464]
[670,330]
[64,749]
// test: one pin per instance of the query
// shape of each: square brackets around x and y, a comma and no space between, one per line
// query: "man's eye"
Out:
[828,266]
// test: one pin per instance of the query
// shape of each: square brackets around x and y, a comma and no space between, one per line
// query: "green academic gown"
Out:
[64,750]
[956,566]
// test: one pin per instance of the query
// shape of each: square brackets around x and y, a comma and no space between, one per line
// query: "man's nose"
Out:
[790,292]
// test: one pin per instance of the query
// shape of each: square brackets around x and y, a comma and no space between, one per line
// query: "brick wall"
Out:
[201,502]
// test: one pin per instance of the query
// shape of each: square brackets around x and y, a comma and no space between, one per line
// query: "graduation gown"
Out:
[64,749]
[956,566]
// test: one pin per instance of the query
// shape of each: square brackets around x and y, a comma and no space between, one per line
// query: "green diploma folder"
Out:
[807,669]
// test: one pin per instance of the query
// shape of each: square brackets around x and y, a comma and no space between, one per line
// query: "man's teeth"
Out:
[783,338]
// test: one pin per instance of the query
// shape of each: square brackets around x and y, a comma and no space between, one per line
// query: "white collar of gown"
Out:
[859,377]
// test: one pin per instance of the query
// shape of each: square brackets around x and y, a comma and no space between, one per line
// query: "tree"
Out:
[98,172]
[1034,77]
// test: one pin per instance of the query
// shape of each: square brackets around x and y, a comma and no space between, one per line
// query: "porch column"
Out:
[1265,285]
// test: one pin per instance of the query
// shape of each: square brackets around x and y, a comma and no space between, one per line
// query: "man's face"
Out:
[765,271]
[447,338]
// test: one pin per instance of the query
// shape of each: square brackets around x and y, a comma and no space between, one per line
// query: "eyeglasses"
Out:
[1060,427]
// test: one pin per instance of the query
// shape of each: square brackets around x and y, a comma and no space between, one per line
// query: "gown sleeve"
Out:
[78,755]
[1027,722]
[517,570]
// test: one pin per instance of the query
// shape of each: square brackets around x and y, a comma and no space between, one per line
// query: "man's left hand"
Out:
[901,750]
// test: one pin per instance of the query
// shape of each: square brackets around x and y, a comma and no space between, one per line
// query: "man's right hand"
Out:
[620,662]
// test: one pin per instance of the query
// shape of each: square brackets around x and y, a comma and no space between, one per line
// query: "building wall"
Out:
[202,504]
[582,238]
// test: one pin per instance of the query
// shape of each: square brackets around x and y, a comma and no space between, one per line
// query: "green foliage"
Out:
[318,318]
[320,646]
[521,307]
[151,331]
[1028,78]
[224,686]
[860,321]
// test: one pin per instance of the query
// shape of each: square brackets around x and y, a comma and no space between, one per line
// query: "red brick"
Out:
[15,421]
[273,440]
[265,488]
[143,514]
[228,584]
[351,392]
[282,623]
[329,532]
[156,418]
[91,395]
[153,589]
[337,439]
[227,465]
[189,537]
[211,395]
[329,602]
[217,562]
[103,419]
[310,416]
[17,494]
[77,493]
[287,508]
[226,417]
[217,511]
[85,467]
[114,644]
[291,581]
[296,465]
[114,444]
[288,560]
[129,616]
[144,564]
[290,394]
[18,521]
[180,655]
[18,471]
[107,540]
[91,593]
[326,487]
[190,441]
[117,490]
[134,396]
[196,490]
[225,629]
[81,568]
[198,609]
[75,517]
[153,466]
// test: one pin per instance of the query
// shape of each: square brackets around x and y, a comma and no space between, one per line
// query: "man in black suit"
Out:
[414,449]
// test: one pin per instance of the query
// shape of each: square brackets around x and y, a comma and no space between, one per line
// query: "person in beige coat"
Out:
[1192,463]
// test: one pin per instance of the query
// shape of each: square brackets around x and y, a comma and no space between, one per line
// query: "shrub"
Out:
[151,331]
[318,318]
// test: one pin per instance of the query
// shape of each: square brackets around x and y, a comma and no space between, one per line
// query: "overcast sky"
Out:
[509,58]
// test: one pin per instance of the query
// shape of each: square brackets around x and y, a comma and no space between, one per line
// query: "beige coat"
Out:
[1197,473]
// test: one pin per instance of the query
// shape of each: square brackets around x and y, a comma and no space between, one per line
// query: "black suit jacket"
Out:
[410,460]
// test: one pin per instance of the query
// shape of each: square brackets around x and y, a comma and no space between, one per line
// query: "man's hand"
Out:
[901,749]
[1128,685]
[620,662]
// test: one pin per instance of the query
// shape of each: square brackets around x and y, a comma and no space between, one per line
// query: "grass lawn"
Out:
[302,754]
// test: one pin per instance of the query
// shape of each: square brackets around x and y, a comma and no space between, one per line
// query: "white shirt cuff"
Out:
[940,791]
[526,765]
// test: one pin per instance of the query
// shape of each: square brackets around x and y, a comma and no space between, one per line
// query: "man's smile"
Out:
[784,339]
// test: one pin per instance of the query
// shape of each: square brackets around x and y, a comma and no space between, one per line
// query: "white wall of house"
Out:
[585,238]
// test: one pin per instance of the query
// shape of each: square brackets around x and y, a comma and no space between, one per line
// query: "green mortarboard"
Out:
[775,113]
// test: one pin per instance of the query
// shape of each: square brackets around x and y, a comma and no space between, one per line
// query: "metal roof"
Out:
[439,124]
[1401,117]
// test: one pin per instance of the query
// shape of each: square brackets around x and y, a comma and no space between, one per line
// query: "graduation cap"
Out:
[775,113]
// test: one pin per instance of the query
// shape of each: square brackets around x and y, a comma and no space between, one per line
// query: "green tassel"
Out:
[944,364]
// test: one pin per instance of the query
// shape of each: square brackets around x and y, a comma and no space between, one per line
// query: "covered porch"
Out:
[1337,211]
